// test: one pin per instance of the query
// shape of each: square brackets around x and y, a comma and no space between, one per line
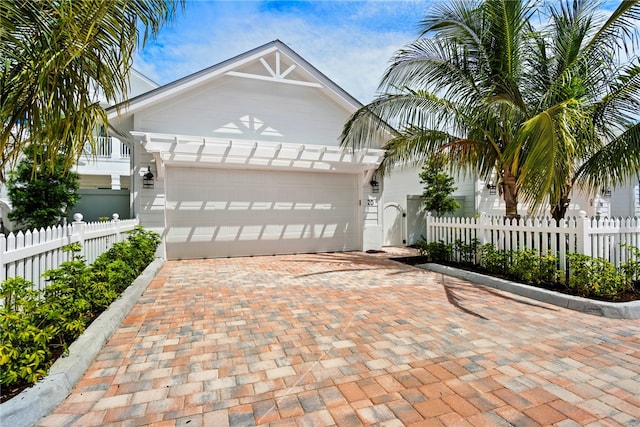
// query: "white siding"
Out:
[244,109]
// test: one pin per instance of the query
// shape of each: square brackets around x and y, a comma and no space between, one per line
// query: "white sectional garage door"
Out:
[228,212]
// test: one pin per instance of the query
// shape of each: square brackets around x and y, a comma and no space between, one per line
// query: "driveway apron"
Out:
[351,339]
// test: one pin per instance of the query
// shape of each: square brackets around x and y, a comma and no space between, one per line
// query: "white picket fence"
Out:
[29,255]
[599,238]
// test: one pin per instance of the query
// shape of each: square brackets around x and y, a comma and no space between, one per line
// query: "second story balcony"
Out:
[109,157]
[107,148]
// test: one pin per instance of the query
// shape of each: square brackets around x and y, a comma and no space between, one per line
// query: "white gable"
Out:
[269,94]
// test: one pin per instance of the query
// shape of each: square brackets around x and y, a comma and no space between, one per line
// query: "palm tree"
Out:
[491,93]
[583,130]
[56,57]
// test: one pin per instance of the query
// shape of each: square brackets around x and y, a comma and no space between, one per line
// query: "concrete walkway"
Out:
[348,340]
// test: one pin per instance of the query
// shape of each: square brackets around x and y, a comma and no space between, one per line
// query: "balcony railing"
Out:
[108,148]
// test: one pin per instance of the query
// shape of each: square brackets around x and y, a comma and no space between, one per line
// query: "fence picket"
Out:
[597,237]
[31,254]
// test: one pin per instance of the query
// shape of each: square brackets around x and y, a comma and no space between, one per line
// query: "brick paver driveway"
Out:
[348,340]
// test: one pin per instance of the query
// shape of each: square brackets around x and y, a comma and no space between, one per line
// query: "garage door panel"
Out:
[235,213]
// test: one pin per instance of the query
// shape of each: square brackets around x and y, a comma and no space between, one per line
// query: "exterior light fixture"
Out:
[492,188]
[147,179]
[375,185]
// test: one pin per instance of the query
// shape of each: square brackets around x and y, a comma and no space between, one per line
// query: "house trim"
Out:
[204,151]
[227,67]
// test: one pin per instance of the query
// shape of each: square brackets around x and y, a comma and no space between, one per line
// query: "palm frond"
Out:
[615,163]
[620,31]
[58,57]
[432,65]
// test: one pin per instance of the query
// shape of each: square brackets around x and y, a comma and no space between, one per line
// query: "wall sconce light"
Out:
[147,179]
[492,188]
[606,192]
[375,185]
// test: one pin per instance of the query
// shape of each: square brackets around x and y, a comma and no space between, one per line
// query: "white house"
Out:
[242,158]
[245,161]
[105,171]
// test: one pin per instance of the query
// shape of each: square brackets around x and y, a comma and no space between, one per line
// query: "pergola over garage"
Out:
[238,198]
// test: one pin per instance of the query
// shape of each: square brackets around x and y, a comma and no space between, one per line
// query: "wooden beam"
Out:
[272,79]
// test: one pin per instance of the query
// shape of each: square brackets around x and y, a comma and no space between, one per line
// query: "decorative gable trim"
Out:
[230,67]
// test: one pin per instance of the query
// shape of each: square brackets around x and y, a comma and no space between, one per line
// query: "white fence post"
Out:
[429,220]
[482,221]
[78,231]
[115,218]
[583,235]
[3,269]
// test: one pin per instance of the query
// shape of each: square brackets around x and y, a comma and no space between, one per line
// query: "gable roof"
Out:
[229,67]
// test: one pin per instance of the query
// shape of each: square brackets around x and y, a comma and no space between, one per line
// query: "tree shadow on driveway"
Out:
[453,291]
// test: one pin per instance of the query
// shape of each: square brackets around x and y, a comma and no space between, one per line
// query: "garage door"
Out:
[221,212]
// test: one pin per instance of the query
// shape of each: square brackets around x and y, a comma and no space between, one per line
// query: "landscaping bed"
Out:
[39,326]
[593,278]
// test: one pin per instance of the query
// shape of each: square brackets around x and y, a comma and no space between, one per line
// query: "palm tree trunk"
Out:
[559,209]
[510,194]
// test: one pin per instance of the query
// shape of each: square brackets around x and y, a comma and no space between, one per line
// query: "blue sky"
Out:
[349,41]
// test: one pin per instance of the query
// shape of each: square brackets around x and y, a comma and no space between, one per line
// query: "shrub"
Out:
[435,251]
[631,268]
[548,269]
[438,187]
[494,260]
[589,277]
[530,267]
[595,277]
[527,265]
[41,192]
[24,349]
[467,253]
[37,324]
[66,304]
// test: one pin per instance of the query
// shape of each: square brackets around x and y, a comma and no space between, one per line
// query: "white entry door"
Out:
[230,212]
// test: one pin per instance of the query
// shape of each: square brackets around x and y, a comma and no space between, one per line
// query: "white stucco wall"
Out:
[401,193]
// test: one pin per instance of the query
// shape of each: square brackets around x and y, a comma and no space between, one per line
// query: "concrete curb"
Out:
[622,310]
[33,403]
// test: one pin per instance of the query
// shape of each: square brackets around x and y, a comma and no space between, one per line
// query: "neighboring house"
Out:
[105,172]
[242,158]
[403,217]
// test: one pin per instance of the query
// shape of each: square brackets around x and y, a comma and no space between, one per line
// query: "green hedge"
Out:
[588,277]
[36,325]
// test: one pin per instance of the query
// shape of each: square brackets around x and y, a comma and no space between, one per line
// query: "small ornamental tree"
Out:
[438,187]
[41,192]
